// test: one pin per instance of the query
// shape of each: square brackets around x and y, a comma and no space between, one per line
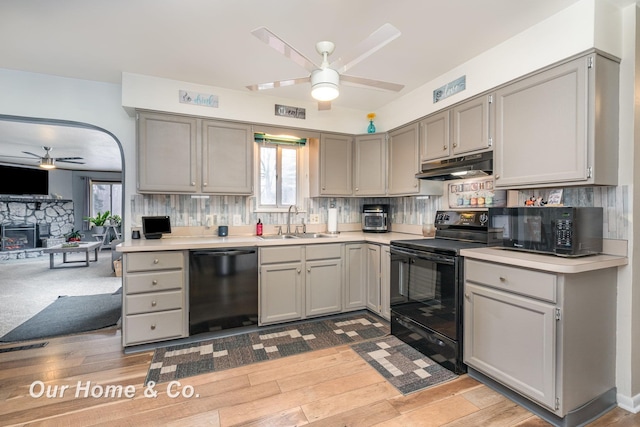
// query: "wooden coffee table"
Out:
[85,247]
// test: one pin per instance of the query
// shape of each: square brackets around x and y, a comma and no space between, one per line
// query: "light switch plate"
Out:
[237,220]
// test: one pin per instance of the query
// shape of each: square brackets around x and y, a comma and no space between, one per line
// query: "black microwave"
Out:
[562,230]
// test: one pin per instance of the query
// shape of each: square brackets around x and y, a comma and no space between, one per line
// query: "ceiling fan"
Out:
[326,77]
[46,161]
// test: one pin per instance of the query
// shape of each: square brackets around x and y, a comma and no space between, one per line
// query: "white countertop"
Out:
[551,263]
[170,243]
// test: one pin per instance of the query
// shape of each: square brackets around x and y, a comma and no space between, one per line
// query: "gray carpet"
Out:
[405,368]
[70,315]
[28,286]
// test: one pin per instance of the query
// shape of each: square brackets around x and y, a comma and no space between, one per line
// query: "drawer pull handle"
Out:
[503,279]
[153,327]
[154,282]
[155,261]
[153,303]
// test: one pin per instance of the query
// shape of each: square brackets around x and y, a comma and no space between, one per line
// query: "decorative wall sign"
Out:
[449,89]
[293,112]
[195,98]
[475,194]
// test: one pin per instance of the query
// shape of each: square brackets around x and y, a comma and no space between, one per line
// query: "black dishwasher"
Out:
[223,289]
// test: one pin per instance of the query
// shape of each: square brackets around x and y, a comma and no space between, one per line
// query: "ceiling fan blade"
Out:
[281,83]
[377,40]
[62,159]
[324,105]
[376,84]
[15,157]
[69,161]
[32,154]
[284,48]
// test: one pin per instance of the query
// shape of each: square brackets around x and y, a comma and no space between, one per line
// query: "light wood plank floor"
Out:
[331,387]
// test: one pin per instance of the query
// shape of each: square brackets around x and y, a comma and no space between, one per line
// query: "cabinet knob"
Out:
[153,304]
[309,270]
[503,279]
[193,184]
[497,176]
[357,189]
[298,271]
[154,282]
[153,327]
[467,296]
[204,184]
[155,261]
[455,144]
[444,148]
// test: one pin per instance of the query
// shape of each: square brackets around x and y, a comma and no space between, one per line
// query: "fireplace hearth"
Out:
[15,237]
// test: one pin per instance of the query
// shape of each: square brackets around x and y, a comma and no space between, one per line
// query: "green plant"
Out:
[72,236]
[115,219]
[99,219]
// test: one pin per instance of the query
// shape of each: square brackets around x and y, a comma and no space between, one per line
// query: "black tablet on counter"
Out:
[153,227]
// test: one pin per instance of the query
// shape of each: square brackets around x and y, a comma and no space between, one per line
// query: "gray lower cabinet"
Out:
[545,336]
[300,281]
[355,268]
[559,126]
[385,281]
[373,277]
[154,306]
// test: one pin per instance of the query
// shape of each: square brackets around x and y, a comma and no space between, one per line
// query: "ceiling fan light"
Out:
[324,84]
[47,163]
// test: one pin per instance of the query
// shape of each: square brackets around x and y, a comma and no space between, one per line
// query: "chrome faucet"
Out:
[289,218]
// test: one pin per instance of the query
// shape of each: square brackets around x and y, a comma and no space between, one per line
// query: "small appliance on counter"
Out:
[153,227]
[557,230]
[375,218]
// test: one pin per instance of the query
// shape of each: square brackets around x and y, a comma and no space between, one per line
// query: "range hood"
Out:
[469,166]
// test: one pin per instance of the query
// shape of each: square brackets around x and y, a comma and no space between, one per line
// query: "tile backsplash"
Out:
[188,211]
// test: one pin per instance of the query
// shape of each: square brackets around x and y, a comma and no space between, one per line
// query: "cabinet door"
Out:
[227,158]
[541,127]
[281,292]
[434,137]
[166,153]
[385,282]
[513,340]
[355,276]
[472,125]
[323,287]
[373,278]
[370,165]
[403,161]
[331,165]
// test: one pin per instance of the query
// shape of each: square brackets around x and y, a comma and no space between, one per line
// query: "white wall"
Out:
[60,183]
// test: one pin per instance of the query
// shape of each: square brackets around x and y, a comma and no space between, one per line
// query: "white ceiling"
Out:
[209,42]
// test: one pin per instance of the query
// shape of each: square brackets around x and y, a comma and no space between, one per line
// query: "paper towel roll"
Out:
[332,222]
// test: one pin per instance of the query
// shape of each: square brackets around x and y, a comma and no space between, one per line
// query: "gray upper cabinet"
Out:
[182,154]
[403,160]
[331,165]
[559,126]
[167,147]
[370,165]
[434,136]
[227,158]
[472,123]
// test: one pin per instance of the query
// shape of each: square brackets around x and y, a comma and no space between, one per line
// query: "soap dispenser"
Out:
[259,228]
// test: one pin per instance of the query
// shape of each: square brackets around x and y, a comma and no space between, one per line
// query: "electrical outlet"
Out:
[237,220]
[314,218]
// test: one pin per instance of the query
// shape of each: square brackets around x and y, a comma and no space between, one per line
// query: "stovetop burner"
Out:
[455,230]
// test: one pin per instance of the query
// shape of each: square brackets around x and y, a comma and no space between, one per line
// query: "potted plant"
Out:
[73,236]
[98,221]
[115,220]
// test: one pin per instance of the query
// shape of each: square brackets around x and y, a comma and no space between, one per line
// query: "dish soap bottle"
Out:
[259,228]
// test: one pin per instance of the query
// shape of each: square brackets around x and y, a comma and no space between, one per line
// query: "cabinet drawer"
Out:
[150,327]
[154,261]
[156,301]
[280,254]
[323,251]
[536,284]
[135,283]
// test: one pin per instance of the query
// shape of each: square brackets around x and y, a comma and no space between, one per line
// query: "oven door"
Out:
[426,304]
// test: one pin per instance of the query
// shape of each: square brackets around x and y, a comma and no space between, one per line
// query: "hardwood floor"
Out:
[331,387]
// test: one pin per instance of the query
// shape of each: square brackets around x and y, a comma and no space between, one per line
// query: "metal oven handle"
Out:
[427,256]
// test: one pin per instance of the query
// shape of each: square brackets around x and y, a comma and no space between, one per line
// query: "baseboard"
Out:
[631,404]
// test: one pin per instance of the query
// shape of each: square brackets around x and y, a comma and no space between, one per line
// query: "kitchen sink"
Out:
[278,237]
[314,235]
